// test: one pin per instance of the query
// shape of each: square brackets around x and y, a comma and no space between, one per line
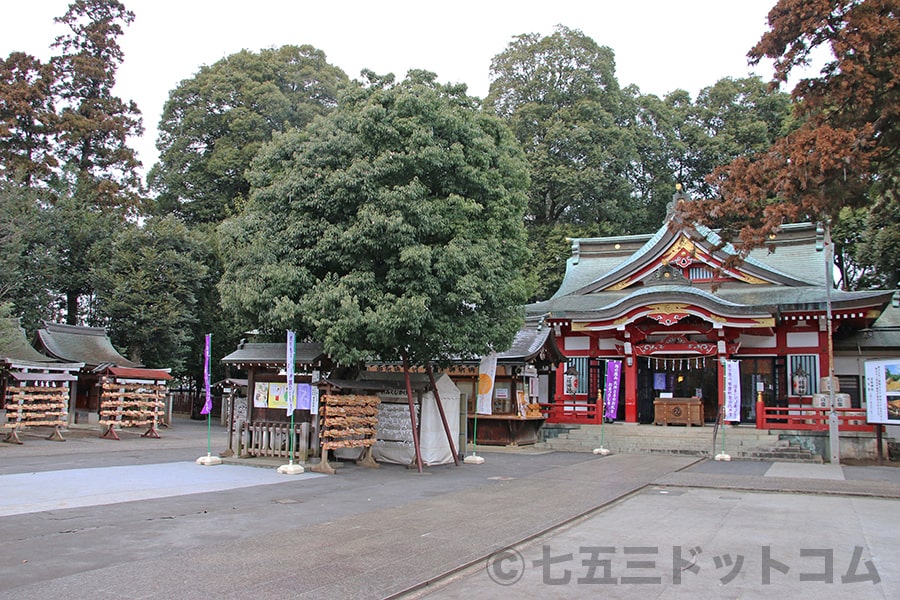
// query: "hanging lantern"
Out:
[800,382]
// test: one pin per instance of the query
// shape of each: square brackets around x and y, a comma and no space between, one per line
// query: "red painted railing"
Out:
[810,419]
[584,413]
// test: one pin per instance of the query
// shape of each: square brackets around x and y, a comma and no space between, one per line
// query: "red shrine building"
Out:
[671,309]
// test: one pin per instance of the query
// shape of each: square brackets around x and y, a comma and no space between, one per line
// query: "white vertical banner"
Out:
[486,373]
[732,390]
[289,371]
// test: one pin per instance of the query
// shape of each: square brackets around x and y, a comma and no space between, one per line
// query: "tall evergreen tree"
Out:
[102,186]
[95,124]
[560,96]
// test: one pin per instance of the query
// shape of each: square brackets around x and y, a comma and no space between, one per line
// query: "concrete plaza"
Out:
[138,518]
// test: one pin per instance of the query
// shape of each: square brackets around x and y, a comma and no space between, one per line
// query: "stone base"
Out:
[601,451]
[208,461]
[291,469]
[474,460]
[723,456]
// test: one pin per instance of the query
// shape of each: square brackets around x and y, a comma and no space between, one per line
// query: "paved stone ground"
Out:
[377,533]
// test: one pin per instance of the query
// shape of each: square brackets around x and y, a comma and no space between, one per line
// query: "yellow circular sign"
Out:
[485,383]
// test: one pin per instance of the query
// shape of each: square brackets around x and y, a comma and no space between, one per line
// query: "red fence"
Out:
[804,418]
[810,419]
[584,413]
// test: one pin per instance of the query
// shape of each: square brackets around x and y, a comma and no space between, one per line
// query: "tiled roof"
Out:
[768,298]
[527,343]
[274,353]
[17,349]
[596,262]
[883,335]
[89,345]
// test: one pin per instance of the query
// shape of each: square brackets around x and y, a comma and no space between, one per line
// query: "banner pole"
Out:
[291,445]
[209,459]
[475,434]
[291,401]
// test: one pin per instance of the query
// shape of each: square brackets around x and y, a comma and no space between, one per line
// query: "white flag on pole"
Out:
[486,373]
[732,390]
[289,370]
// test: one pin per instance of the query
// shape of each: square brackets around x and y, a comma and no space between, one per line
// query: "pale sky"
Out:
[660,45]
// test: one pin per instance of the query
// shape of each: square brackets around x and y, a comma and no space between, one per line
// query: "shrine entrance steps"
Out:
[741,442]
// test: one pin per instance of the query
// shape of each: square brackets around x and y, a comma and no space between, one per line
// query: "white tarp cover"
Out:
[395,442]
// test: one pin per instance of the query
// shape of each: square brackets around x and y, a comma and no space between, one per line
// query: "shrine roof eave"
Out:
[135,373]
[275,355]
[374,385]
[50,365]
[605,308]
[746,301]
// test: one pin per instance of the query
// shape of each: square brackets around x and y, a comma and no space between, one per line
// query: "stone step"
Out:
[742,443]
[657,441]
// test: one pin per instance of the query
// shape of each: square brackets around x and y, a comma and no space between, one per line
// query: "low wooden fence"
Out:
[269,439]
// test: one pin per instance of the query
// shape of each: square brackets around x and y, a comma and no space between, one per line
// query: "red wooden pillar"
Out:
[631,387]
[560,387]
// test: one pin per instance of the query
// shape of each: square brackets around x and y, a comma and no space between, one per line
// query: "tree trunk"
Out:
[72,308]
[412,412]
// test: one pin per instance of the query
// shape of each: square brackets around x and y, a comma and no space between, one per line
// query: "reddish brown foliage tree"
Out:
[27,119]
[848,136]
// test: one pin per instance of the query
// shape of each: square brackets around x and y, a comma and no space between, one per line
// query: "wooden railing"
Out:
[272,439]
[807,418]
[585,413]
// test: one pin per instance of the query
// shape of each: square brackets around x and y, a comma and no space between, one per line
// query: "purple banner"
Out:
[611,393]
[207,404]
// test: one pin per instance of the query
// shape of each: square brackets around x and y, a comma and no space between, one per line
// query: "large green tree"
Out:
[391,228]
[730,119]
[148,291]
[214,123]
[560,96]
[27,255]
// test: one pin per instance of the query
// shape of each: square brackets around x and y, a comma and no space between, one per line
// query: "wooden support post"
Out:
[56,436]
[412,413]
[322,466]
[368,460]
[12,437]
[879,440]
[109,434]
[229,450]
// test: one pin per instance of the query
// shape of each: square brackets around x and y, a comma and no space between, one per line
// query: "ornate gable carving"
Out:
[667,274]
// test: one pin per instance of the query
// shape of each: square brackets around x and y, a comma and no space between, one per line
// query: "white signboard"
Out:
[883,391]
[732,390]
